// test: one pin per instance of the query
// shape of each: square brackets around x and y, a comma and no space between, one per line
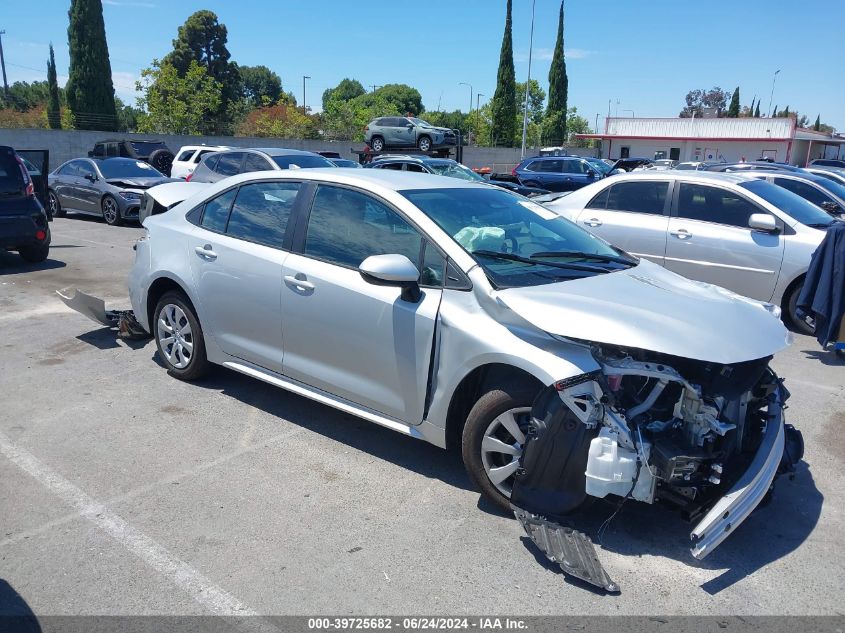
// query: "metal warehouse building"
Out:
[712,139]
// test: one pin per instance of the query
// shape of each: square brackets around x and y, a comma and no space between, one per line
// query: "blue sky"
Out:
[645,55]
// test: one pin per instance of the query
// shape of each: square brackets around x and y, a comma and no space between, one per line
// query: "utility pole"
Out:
[477,99]
[374,87]
[597,123]
[3,64]
[304,105]
[463,83]
[528,81]
[774,77]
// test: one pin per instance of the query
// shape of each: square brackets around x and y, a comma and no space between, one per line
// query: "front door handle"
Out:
[593,222]
[681,234]
[205,252]
[297,283]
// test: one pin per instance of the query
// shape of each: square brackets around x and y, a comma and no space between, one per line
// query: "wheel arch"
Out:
[790,288]
[475,384]
[157,290]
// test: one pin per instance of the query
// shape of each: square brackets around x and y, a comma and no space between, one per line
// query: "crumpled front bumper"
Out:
[750,489]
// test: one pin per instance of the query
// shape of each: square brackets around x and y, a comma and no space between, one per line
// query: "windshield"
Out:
[455,170]
[127,168]
[517,242]
[420,122]
[600,165]
[833,187]
[303,161]
[790,203]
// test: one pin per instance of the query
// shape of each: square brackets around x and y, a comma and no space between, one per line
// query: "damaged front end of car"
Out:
[705,438]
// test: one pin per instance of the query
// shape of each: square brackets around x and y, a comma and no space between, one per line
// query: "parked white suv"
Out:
[731,230]
[189,156]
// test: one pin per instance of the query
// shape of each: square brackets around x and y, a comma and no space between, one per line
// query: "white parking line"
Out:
[197,586]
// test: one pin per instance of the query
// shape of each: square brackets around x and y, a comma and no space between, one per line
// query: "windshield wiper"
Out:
[528,260]
[602,258]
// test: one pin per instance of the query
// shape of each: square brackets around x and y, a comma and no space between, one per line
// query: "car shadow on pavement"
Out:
[107,338]
[15,614]
[12,264]
[414,454]
[825,356]
[771,532]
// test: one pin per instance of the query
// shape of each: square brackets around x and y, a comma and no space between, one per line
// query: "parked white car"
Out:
[189,156]
[731,230]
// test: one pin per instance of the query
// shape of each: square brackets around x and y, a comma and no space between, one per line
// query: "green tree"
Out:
[576,124]
[536,100]
[408,100]
[504,99]
[757,110]
[260,86]
[174,103]
[733,109]
[751,108]
[555,127]
[818,124]
[202,39]
[344,91]
[775,111]
[24,96]
[698,100]
[89,90]
[127,116]
[54,116]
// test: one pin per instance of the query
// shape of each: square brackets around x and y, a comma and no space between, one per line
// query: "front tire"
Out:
[111,211]
[800,325]
[377,143]
[55,206]
[179,337]
[424,144]
[493,439]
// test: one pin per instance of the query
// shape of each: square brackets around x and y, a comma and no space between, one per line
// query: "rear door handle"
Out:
[300,284]
[205,252]
[593,222]
[681,234]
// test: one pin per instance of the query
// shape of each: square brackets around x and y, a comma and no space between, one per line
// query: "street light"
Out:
[477,99]
[3,64]
[774,77]
[304,105]
[463,83]
[528,81]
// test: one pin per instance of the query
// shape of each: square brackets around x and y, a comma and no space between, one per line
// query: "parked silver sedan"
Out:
[732,230]
[471,317]
[111,188]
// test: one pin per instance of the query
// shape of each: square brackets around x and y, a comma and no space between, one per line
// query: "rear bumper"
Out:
[20,230]
[732,509]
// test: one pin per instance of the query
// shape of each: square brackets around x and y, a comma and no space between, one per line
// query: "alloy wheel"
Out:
[502,447]
[110,210]
[175,336]
[54,203]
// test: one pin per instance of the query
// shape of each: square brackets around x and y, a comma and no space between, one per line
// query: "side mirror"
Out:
[393,270]
[762,222]
[91,177]
[591,173]
[409,126]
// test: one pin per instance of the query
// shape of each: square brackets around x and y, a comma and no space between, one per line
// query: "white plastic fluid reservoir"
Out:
[610,468]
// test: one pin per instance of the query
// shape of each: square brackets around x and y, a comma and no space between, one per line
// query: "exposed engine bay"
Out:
[695,435]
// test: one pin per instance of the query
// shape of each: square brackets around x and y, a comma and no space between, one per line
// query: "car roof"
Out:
[220,147]
[792,175]
[685,174]
[277,151]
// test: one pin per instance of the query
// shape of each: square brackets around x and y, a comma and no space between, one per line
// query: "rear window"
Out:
[11,177]
[303,161]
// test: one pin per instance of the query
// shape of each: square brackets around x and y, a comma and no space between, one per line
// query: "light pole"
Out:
[463,83]
[477,99]
[772,94]
[375,87]
[304,105]
[3,64]
[528,81]
[597,123]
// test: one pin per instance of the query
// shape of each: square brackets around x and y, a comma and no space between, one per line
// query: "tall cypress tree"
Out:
[54,118]
[89,90]
[751,109]
[733,108]
[555,132]
[818,124]
[757,110]
[504,99]
[775,112]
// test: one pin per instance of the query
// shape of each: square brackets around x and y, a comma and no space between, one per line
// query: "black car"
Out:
[828,162]
[23,220]
[447,167]
[155,153]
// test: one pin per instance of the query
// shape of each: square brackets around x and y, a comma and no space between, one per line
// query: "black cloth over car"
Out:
[823,294]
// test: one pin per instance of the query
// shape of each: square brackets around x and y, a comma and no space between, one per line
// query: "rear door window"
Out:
[216,212]
[574,166]
[185,156]
[261,212]
[256,162]
[712,204]
[600,201]
[229,164]
[638,197]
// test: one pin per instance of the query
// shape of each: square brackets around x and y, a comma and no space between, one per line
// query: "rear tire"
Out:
[162,159]
[790,313]
[179,337]
[35,254]
[424,144]
[489,418]
[377,143]
[111,211]
[54,204]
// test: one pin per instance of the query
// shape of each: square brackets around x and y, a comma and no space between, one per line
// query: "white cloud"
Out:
[546,54]
[124,86]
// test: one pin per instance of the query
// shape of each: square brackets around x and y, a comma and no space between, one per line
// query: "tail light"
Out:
[30,188]
[189,176]
[40,235]
[513,171]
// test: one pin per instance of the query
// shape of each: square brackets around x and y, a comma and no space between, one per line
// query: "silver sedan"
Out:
[111,188]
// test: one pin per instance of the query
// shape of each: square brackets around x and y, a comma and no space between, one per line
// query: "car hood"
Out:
[171,193]
[648,307]
[138,183]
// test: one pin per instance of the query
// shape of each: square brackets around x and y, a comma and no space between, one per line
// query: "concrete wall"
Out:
[67,144]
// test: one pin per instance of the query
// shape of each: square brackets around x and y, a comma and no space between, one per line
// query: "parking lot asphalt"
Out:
[124,491]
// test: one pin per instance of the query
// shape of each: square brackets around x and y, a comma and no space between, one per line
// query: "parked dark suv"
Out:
[155,153]
[23,220]
[557,173]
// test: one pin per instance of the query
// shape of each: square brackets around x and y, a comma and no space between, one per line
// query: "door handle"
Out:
[205,252]
[300,284]
[593,222]
[681,234]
